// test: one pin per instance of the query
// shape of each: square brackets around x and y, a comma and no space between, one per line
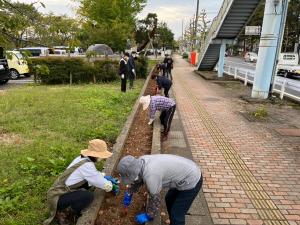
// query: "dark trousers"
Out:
[123,85]
[179,202]
[131,79]
[131,83]
[77,200]
[166,91]
[169,73]
[166,118]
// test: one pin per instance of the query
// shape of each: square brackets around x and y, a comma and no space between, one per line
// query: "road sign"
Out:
[253,30]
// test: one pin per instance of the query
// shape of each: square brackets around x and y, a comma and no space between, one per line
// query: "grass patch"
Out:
[51,125]
[260,113]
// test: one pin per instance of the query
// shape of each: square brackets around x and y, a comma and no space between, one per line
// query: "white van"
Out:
[38,51]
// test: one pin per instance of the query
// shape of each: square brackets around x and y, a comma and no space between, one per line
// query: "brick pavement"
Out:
[251,174]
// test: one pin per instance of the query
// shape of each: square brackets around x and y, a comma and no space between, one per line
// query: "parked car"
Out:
[250,57]
[17,64]
[288,65]
[4,70]
[38,51]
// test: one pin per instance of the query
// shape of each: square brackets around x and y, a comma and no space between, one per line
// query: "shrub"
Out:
[185,55]
[141,67]
[64,70]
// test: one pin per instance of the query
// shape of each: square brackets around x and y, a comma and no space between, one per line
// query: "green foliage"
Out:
[142,67]
[260,113]
[185,55]
[80,71]
[165,36]
[57,30]
[108,22]
[144,27]
[53,124]
[15,19]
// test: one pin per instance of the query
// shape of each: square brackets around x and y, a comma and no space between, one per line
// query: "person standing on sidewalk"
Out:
[123,72]
[168,61]
[167,107]
[180,175]
[69,195]
[131,69]
[162,82]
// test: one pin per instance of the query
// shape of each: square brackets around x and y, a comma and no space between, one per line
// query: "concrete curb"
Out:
[90,215]
[156,149]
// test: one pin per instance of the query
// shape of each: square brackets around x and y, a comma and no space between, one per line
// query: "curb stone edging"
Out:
[156,149]
[89,216]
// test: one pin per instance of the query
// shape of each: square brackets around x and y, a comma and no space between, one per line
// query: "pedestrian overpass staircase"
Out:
[232,18]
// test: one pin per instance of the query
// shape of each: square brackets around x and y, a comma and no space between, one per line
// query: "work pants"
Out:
[166,118]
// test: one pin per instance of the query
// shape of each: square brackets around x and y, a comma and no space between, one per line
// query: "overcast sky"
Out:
[170,11]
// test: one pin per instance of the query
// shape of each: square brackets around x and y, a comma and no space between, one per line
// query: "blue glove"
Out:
[127,199]
[143,218]
[114,181]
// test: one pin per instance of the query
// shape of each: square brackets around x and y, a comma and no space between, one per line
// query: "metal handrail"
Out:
[286,86]
[215,27]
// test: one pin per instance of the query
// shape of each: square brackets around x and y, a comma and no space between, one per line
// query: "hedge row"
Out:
[62,70]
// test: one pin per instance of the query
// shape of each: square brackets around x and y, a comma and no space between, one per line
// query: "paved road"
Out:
[17,83]
[239,62]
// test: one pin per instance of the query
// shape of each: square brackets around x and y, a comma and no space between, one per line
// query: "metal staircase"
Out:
[229,23]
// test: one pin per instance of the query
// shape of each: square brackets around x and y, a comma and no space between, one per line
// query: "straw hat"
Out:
[145,101]
[97,148]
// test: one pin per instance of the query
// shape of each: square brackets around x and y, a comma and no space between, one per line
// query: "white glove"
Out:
[108,186]
[122,76]
[150,121]
[133,71]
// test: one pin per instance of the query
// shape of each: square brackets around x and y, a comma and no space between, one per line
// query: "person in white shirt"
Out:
[69,194]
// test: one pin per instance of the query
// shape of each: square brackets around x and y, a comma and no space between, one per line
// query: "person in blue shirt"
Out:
[162,82]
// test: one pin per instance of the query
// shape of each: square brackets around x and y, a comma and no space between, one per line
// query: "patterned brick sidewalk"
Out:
[252,174]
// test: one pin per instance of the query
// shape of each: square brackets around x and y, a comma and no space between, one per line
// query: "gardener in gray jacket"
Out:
[180,175]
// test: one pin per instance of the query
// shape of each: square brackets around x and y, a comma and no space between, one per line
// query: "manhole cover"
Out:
[289,132]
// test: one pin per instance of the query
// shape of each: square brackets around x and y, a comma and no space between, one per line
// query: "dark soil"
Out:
[138,143]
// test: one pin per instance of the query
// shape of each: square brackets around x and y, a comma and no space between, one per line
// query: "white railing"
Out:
[214,28]
[283,86]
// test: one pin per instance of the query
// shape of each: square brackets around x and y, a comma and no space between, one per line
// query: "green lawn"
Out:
[42,128]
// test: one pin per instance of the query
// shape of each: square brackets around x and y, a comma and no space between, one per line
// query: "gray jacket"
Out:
[165,171]
[169,171]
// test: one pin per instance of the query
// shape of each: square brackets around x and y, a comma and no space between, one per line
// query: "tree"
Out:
[57,30]
[110,22]
[292,28]
[202,27]
[165,37]
[146,30]
[15,19]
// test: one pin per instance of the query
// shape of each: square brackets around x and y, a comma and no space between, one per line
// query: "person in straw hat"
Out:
[69,194]
[167,107]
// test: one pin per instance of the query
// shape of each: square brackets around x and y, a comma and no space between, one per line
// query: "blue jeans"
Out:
[179,202]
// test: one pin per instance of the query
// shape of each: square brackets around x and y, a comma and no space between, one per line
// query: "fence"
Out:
[283,86]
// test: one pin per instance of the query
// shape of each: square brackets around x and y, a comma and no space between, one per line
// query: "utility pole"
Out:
[269,47]
[196,23]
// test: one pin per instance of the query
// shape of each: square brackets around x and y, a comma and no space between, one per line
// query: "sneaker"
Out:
[66,216]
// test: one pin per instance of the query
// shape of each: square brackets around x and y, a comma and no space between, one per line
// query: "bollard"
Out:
[235,72]
[282,91]
[246,79]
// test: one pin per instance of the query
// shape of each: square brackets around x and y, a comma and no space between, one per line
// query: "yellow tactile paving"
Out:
[265,207]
